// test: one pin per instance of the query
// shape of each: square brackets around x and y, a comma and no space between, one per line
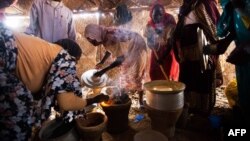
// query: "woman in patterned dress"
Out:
[33,68]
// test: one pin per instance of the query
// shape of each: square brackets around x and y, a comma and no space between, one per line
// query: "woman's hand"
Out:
[97,99]
[101,97]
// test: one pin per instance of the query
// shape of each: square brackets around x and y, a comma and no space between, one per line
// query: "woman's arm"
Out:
[68,101]
[220,47]
[116,63]
[105,57]
[32,28]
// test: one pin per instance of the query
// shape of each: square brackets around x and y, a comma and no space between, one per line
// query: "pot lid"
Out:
[91,81]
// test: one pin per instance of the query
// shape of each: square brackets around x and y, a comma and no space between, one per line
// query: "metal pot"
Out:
[165,95]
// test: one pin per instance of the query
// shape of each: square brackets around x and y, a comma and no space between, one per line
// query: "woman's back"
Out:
[34,60]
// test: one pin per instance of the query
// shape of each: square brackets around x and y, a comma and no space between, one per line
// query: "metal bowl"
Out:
[165,95]
[93,82]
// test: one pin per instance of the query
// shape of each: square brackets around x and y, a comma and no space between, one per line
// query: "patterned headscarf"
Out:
[210,6]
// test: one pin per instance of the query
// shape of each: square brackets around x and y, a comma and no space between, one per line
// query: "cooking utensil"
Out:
[92,81]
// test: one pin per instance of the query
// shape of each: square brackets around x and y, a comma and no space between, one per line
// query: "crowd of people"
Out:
[38,67]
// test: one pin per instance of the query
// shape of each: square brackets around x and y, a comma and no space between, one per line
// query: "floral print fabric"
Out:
[18,110]
[61,78]
[15,99]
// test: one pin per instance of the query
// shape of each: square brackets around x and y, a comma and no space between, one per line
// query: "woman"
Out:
[158,34]
[128,48]
[234,25]
[196,72]
[31,67]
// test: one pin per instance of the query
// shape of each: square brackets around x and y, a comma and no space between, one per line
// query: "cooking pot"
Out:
[165,95]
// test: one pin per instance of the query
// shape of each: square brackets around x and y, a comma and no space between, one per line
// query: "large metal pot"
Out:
[165,95]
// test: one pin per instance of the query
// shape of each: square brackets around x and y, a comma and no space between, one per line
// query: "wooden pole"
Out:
[162,70]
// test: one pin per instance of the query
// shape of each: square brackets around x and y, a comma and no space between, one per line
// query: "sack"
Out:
[239,56]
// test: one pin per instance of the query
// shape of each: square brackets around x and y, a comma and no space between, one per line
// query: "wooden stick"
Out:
[162,70]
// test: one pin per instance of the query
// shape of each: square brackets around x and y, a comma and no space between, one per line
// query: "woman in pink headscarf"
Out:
[158,34]
[129,49]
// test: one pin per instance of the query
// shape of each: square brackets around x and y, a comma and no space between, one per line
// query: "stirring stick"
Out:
[162,70]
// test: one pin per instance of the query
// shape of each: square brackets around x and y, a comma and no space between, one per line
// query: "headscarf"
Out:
[71,46]
[94,31]
[210,6]
[213,12]
[165,20]
[6,3]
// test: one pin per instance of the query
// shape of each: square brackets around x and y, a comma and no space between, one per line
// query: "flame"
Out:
[107,103]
